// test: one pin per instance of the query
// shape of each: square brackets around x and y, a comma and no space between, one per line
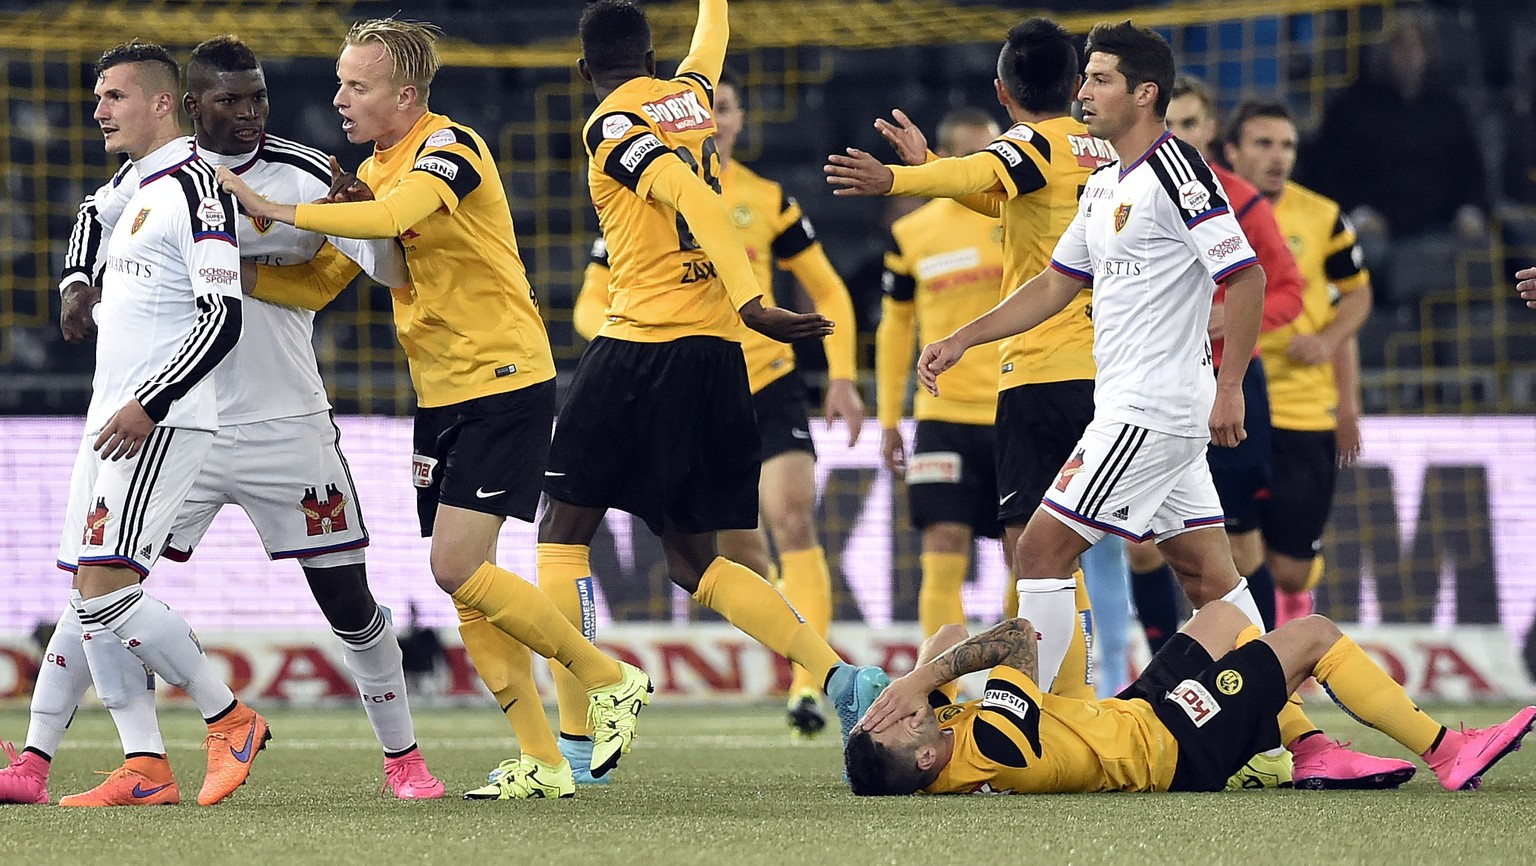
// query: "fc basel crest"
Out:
[138,221]
[262,224]
[1122,215]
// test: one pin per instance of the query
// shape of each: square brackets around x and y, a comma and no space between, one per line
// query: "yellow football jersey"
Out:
[1304,396]
[773,229]
[1038,172]
[943,270]
[663,286]
[469,323]
[1017,741]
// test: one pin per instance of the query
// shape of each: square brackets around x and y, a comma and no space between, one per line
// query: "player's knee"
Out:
[343,595]
[1320,631]
[1223,616]
[1144,556]
[1291,575]
[792,523]
[451,569]
[946,538]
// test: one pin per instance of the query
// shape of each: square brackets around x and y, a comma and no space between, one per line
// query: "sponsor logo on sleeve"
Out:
[441,138]
[615,125]
[1194,196]
[637,151]
[1001,699]
[1196,702]
[1225,248]
[1008,152]
[443,168]
[219,276]
[210,212]
[421,469]
[1020,132]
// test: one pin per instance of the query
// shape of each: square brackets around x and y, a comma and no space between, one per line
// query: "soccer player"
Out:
[1152,234]
[484,378]
[1030,176]
[658,421]
[1186,724]
[942,270]
[277,453]
[1314,362]
[773,229]
[170,312]
[1242,474]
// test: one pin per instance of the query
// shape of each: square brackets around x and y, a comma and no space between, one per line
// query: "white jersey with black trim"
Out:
[272,373]
[1152,239]
[170,297]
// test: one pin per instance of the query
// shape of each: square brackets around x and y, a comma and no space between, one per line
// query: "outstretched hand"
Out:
[785,326]
[910,143]
[345,186]
[251,201]
[858,173]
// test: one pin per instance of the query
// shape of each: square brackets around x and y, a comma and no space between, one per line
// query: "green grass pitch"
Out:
[726,786]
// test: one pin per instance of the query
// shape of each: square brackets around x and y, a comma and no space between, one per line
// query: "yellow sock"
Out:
[1365,691]
[562,568]
[806,583]
[938,598]
[1293,719]
[1010,596]
[506,668]
[518,608]
[749,603]
[1076,677]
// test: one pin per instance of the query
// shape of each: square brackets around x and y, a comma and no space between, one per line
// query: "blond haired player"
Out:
[484,377]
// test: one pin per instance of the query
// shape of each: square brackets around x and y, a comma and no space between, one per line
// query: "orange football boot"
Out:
[232,744]
[138,782]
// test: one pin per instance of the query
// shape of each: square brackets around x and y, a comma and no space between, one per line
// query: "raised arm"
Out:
[711,35]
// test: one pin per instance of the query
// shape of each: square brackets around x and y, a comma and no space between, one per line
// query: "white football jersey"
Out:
[1152,239]
[170,295]
[272,373]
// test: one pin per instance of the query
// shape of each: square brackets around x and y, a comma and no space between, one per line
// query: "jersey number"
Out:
[706,168]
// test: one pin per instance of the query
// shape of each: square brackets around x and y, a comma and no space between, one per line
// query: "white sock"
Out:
[374,659]
[1241,597]
[1050,604]
[163,642]
[62,679]
[126,688]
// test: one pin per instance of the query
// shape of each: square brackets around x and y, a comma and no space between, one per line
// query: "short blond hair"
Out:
[410,45]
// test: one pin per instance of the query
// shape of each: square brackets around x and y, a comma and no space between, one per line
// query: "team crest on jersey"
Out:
[1072,467]
[1229,682]
[1122,216]
[324,516]
[261,224]
[949,712]
[679,112]
[96,523]
[138,221]
[741,216]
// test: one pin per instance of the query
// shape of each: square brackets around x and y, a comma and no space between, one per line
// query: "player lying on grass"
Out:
[1187,724]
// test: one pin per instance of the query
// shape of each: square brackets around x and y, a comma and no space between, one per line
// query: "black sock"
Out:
[1261,585]
[1156,594]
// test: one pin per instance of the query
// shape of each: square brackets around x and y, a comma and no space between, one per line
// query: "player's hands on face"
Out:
[1227,417]
[76,320]
[1217,329]
[910,143]
[904,697]
[1310,349]
[780,324]
[345,187]
[858,173]
[251,202]
[1346,435]
[893,451]
[936,358]
[843,401]
[125,432]
[1527,286]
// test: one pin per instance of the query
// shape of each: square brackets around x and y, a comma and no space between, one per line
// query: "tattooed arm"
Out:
[1010,643]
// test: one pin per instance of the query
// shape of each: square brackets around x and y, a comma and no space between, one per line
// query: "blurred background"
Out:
[1433,528]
